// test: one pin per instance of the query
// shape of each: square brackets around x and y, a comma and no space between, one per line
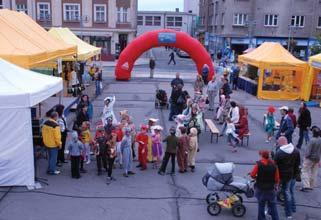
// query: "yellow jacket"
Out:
[86,136]
[51,135]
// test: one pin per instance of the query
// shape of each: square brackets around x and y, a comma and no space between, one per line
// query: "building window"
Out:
[149,20]
[22,8]
[100,13]
[1,4]
[71,12]
[178,21]
[223,18]
[216,20]
[271,20]
[140,20]
[43,11]
[157,20]
[122,15]
[239,19]
[297,21]
[319,22]
[174,21]
[169,21]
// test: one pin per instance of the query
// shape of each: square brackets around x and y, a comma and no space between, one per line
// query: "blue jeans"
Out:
[52,160]
[97,83]
[289,200]
[269,198]
[304,133]
[223,128]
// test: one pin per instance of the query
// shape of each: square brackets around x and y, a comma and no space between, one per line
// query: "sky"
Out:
[160,5]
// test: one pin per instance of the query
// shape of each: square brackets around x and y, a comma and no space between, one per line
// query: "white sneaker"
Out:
[57,172]
[88,162]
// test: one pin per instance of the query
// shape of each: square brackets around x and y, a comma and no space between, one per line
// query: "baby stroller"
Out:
[219,178]
[161,100]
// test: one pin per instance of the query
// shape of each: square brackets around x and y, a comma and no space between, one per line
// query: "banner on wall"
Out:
[166,38]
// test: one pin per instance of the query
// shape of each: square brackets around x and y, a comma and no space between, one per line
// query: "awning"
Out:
[25,43]
[85,50]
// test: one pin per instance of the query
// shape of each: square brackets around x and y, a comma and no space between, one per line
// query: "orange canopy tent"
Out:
[25,43]
[280,73]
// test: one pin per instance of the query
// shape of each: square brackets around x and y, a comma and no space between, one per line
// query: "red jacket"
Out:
[253,174]
[243,126]
[293,118]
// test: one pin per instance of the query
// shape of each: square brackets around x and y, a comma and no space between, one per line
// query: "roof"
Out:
[85,50]
[21,88]
[25,43]
[272,54]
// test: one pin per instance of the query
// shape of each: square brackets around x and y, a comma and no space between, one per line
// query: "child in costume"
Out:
[101,149]
[127,153]
[231,134]
[192,150]
[151,123]
[182,151]
[119,137]
[75,149]
[109,110]
[87,140]
[269,124]
[111,155]
[157,145]
[179,123]
[142,140]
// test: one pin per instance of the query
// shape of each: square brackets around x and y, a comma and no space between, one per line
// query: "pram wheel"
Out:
[214,209]
[280,196]
[211,198]
[238,209]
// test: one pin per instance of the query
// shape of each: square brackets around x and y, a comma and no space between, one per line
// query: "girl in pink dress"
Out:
[157,145]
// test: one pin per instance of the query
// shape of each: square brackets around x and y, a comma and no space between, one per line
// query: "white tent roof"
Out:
[20,88]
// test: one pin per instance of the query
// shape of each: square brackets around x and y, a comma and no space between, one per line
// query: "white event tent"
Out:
[20,89]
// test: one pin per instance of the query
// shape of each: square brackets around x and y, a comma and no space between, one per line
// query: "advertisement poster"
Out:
[167,38]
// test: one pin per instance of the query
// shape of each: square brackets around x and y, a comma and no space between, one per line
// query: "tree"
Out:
[316,47]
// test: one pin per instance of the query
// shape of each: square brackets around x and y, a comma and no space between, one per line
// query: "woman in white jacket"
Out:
[109,110]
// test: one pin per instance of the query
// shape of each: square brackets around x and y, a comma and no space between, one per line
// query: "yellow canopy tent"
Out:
[85,50]
[25,43]
[313,88]
[280,74]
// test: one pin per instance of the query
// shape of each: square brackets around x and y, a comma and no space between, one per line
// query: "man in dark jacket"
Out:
[152,65]
[172,58]
[175,82]
[286,125]
[266,174]
[287,158]
[304,122]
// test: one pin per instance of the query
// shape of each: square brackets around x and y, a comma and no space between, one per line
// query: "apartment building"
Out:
[240,24]
[191,6]
[109,24]
[175,20]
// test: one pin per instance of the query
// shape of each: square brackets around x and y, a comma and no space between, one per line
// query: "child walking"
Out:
[171,147]
[269,124]
[86,139]
[157,145]
[75,148]
[193,146]
[182,151]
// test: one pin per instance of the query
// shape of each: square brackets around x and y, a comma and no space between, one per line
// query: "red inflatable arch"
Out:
[160,38]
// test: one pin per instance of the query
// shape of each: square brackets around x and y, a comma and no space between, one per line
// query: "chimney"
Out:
[176,9]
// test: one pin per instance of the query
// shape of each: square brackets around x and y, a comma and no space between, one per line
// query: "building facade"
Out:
[240,24]
[154,20]
[109,24]
[191,6]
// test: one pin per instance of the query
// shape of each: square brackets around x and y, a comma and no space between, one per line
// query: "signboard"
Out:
[167,38]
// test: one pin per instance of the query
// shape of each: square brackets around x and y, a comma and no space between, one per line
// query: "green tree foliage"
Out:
[316,47]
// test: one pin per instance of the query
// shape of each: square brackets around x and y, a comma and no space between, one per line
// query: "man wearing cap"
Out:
[266,174]
[51,137]
[286,125]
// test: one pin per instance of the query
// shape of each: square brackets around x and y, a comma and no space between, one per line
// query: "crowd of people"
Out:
[117,143]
